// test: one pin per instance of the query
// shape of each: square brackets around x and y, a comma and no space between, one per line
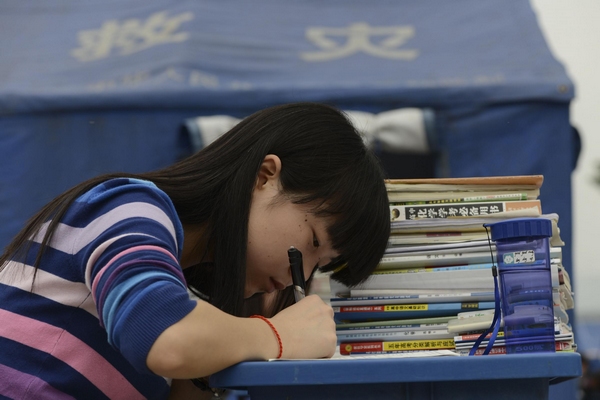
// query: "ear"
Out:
[269,172]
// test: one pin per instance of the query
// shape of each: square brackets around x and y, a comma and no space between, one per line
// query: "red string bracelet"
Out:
[274,331]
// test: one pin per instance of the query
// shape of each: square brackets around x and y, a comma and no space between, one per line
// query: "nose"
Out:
[279,285]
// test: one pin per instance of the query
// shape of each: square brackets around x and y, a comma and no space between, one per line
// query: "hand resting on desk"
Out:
[208,340]
[307,329]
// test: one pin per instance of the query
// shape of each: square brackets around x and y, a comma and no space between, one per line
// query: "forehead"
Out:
[316,213]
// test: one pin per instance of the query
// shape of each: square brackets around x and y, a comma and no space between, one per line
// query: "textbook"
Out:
[441,247]
[471,224]
[469,184]
[408,190]
[400,197]
[472,337]
[477,322]
[562,332]
[464,280]
[473,314]
[460,210]
[382,347]
[501,350]
[431,260]
[374,299]
[465,184]
[473,255]
[397,311]
[394,327]
[468,279]
[469,199]
[500,341]
[476,248]
[422,238]
[432,269]
[379,335]
[393,323]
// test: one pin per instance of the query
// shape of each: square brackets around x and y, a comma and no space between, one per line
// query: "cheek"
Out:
[260,256]
[253,257]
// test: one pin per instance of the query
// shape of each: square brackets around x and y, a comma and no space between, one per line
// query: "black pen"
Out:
[297,268]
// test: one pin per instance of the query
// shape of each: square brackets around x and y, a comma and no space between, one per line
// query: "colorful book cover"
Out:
[379,335]
[382,347]
[397,311]
[459,210]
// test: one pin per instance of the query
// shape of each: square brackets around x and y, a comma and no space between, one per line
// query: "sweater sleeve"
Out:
[130,247]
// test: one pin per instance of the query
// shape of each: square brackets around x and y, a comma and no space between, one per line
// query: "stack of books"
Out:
[438,263]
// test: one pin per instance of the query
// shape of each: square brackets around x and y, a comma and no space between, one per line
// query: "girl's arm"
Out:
[208,340]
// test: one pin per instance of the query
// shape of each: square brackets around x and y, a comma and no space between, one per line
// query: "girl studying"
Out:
[95,289]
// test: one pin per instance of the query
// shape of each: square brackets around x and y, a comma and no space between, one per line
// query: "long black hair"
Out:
[324,162]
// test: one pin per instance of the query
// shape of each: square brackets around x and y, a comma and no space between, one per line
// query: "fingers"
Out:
[307,329]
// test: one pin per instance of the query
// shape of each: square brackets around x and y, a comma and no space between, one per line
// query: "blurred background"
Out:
[462,88]
[573,37]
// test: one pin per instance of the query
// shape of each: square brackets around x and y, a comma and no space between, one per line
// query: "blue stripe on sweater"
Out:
[115,300]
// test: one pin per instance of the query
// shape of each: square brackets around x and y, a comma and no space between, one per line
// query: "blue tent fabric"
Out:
[246,55]
[93,87]
[105,86]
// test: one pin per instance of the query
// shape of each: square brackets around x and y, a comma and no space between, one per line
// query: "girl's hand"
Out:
[307,329]
[208,340]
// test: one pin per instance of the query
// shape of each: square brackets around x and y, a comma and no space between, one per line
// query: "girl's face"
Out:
[275,224]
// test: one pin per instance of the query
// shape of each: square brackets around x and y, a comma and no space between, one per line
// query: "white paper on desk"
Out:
[411,354]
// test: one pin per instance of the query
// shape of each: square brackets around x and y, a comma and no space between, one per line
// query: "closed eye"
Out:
[315,241]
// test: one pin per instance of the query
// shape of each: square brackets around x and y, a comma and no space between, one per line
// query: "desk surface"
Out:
[399,373]
[556,366]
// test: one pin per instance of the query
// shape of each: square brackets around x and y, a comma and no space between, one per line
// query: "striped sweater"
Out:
[108,285]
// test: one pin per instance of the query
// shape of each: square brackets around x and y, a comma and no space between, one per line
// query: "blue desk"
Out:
[511,377]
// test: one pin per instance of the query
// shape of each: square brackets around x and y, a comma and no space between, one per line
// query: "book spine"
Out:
[394,346]
[412,292]
[412,307]
[471,337]
[468,199]
[392,328]
[467,280]
[500,341]
[452,258]
[475,314]
[529,180]
[430,260]
[433,269]
[363,313]
[452,210]
[499,350]
[415,298]
[387,336]
[494,351]
[432,237]
[403,321]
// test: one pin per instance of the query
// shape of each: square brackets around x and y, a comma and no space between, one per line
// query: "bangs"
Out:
[357,208]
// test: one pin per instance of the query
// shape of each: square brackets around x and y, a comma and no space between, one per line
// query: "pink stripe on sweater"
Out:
[121,254]
[18,385]
[62,345]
